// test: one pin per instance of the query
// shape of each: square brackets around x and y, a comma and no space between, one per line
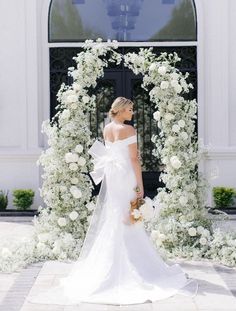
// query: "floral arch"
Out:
[182,227]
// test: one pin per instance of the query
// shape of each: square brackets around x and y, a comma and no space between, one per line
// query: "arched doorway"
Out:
[166,25]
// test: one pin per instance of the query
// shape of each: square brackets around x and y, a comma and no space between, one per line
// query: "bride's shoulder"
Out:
[129,130]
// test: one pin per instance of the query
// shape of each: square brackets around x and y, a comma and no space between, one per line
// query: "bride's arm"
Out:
[133,151]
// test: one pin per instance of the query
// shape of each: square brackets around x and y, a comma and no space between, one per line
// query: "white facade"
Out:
[24,97]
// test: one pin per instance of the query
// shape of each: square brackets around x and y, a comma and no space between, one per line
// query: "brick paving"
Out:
[217,283]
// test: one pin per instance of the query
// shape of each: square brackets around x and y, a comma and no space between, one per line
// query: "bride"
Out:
[118,263]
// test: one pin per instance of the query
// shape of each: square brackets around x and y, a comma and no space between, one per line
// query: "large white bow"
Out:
[103,158]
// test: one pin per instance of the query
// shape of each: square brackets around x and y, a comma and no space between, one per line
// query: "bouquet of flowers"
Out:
[141,210]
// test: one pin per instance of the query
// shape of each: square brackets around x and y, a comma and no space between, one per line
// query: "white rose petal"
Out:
[178,88]
[162,70]
[174,83]
[62,222]
[73,215]
[192,231]
[164,85]
[73,167]
[74,106]
[79,148]
[156,115]
[81,161]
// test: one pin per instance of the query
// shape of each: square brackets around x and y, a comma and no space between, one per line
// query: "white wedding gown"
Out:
[121,265]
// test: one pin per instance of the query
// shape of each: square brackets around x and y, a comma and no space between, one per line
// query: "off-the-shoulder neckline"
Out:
[112,142]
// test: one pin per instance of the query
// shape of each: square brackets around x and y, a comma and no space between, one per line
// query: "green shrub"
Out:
[3,200]
[23,198]
[223,196]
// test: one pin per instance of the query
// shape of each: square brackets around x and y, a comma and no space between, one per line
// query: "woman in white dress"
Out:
[118,263]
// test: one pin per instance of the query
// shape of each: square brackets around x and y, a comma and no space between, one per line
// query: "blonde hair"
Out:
[119,104]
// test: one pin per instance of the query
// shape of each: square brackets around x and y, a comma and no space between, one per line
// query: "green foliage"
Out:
[23,198]
[223,196]
[3,200]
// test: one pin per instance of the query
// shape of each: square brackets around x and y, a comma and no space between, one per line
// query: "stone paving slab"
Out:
[217,283]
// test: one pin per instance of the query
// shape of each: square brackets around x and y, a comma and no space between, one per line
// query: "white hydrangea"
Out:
[203,241]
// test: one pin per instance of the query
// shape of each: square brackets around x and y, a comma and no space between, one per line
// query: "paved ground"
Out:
[217,283]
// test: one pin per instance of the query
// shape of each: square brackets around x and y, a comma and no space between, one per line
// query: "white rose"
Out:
[79,148]
[156,115]
[136,213]
[81,161]
[61,221]
[162,70]
[74,180]
[175,128]
[90,206]
[174,76]
[181,123]
[65,114]
[73,215]
[76,192]
[171,139]
[71,157]
[153,66]
[164,85]
[205,232]
[178,88]
[203,241]
[171,107]
[169,116]
[184,135]
[74,106]
[6,252]
[174,83]
[192,231]
[200,229]
[86,99]
[71,99]
[73,167]
[183,200]
[175,162]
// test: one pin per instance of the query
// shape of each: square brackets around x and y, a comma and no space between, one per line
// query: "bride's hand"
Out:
[140,194]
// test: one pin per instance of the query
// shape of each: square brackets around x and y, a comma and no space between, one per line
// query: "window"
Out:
[123,20]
